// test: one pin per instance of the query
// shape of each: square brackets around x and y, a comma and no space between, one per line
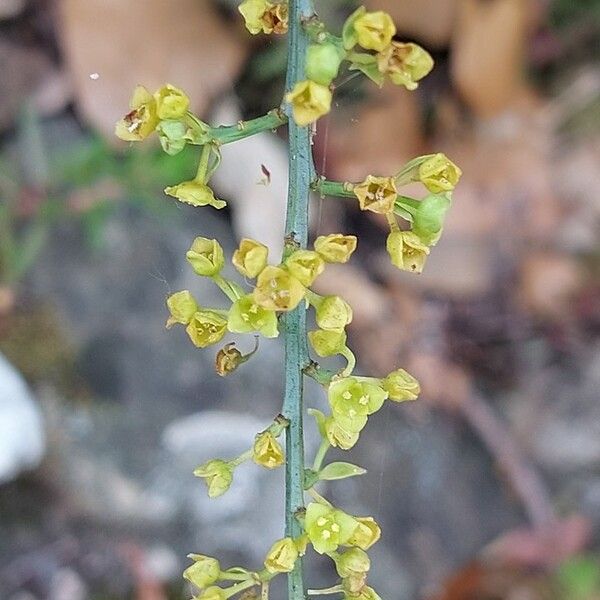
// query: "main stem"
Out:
[294,322]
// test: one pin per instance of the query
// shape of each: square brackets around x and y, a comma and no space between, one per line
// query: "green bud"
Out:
[401,386]
[351,562]
[327,342]
[245,316]
[323,62]
[182,307]
[428,220]
[339,437]
[333,312]
[172,136]
[204,572]
[217,474]
[206,257]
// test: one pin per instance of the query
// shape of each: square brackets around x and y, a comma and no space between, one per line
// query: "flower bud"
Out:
[141,121]
[401,386]
[365,593]
[339,437]
[245,316]
[172,135]
[267,451]
[353,561]
[277,289]
[327,527]
[217,475]
[336,248]
[182,307]
[333,312]
[206,327]
[366,533]
[171,102]
[309,100]
[195,194]
[282,556]
[439,174]
[323,62]
[374,30]
[212,593]
[354,584]
[327,342]
[204,572]
[376,194]
[205,256]
[350,397]
[250,258]
[428,220]
[305,266]
[405,64]
[407,251]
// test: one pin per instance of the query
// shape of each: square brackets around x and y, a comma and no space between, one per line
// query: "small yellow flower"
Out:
[206,327]
[267,451]
[333,312]
[204,572]
[171,102]
[327,342]
[250,258]
[328,527]
[263,16]
[305,266]
[217,475]
[352,562]
[245,316]
[282,556]
[335,247]
[401,386]
[277,289]
[309,101]
[194,193]
[141,121]
[205,256]
[349,397]
[339,437]
[405,64]
[439,174]
[374,30]
[407,251]
[182,307]
[366,533]
[376,194]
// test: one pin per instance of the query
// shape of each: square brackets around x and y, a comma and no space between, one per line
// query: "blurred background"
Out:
[488,488]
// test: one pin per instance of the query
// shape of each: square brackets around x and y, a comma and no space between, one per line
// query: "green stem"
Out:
[325,187]
[336,589]
[320,456]
[239,587]
[294,322]
[226,134]
[229,288]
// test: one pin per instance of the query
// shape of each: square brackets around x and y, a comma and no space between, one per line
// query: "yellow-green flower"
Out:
[171,102]
[141,121]
[213,592]
[339,437]
[305,266]
[327,527]
[350,397]
[206,327]
[217,475]
[277,289]
[335,247]
[374,30]
[282,556]
[204,572]
[245,316]
[250,258]
[206,256]
[366,533]
[327,342]
[333,312]
[263,16]
[353,561]
[194,193]
[182,307]
[406,64]
[309,100]
[376,194]
[439,174]
[407,251]
[267,451]
[401,386]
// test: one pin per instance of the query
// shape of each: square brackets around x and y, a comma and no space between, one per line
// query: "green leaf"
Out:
[340,470]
